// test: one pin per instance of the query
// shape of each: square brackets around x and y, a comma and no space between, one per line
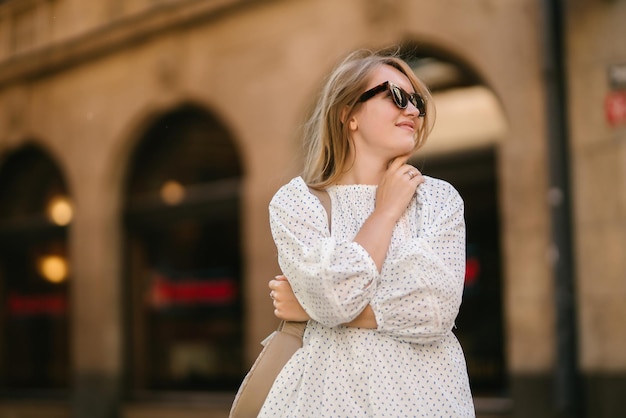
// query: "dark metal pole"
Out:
[568,394]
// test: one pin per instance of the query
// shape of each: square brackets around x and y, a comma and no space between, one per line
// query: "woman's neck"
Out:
[364,171]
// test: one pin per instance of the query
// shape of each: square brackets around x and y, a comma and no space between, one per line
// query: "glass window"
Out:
[183,256]
[35,211]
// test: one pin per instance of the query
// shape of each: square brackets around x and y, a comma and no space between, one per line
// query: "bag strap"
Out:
[324,199]
[292,328]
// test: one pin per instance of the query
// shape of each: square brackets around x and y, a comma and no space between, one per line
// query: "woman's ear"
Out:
[352,122]
[353,125]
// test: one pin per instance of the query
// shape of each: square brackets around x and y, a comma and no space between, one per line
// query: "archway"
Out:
[35,211]
[184,266]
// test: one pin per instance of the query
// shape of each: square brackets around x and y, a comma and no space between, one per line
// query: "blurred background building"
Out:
[141,142]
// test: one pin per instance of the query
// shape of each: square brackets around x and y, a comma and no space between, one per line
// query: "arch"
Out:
[183,271]
[34,145]
[136,127]
[35,211]
[185,116]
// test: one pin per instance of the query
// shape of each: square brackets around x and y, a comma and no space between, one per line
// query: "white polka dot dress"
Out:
[412,365]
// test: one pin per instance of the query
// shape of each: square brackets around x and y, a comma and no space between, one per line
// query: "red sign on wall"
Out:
[615,107]
[165,293]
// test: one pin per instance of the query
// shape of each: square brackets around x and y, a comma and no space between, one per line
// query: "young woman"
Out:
[373,254]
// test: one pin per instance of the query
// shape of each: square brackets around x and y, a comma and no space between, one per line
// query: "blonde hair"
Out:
[326,137]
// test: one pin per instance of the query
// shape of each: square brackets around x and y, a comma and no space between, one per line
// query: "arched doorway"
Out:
[184,266]
[463,150]
[35,211]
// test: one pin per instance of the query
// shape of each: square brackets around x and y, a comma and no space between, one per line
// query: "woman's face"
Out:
[379,127]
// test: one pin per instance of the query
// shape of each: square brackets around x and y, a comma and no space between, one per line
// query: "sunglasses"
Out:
[400,97]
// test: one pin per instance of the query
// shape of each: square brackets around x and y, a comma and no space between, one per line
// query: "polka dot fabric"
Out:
[412,365]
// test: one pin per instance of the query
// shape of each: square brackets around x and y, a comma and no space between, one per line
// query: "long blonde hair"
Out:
[326,137]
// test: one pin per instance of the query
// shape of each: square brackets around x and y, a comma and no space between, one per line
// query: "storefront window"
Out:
[183,256]
[35,211]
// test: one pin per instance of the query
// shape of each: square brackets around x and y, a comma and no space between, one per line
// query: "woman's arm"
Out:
[422,306]
[393,195]
[333,280]
[287,307]
[366,319]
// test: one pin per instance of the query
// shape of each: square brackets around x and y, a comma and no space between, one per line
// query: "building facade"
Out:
[141,142]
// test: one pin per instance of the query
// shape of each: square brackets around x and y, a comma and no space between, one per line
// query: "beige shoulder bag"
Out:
[278,348]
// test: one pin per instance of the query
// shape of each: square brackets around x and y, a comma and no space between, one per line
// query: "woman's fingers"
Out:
[279,286]
[399,166]
[286,305]
[401,171]
[397,187]
[413,174]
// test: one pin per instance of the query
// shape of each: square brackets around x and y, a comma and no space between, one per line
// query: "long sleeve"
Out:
[422,306]
[333,280]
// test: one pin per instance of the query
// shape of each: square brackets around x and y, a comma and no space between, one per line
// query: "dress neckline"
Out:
[355,186]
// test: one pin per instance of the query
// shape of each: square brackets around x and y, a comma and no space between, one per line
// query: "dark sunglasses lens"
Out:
[419,103]
[399,97]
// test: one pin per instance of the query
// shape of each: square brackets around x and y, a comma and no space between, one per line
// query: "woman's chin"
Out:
[406,146]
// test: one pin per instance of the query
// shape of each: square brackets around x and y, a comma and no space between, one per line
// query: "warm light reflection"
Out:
[172,192]
[60,210]
[53,268]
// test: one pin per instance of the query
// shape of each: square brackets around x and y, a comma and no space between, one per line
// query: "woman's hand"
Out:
[286,306]
[397,187]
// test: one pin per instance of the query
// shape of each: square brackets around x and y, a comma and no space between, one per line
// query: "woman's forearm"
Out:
[375,236]
[287,307]
[366,319]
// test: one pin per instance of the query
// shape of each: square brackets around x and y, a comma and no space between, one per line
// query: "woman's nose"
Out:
[411,110]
